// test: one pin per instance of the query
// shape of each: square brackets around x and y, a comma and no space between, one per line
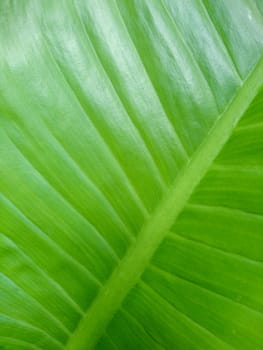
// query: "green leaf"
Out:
[131,174]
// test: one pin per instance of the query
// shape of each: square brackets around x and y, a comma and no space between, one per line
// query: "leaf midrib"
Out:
[125,276]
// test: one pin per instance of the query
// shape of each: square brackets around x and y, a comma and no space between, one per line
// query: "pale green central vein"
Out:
[96,319]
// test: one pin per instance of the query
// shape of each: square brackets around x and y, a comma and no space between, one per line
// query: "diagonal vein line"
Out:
[249,127]
[130,185]
[38,269]
[32,327]
[99,236]
[152,290]
[237,211]
[191,54]
[152,234]
[133,191]
[43,308]
[139,324]
[177,137]
[173,235]
[18,342]
[109,339]
[174,275]
[224,209]
[45,237]
[204,6]
[246,169]
[100,62]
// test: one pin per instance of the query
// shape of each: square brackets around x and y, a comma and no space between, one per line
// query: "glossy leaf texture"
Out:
[131,174]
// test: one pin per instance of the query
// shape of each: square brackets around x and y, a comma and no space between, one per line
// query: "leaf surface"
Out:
[131,175]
